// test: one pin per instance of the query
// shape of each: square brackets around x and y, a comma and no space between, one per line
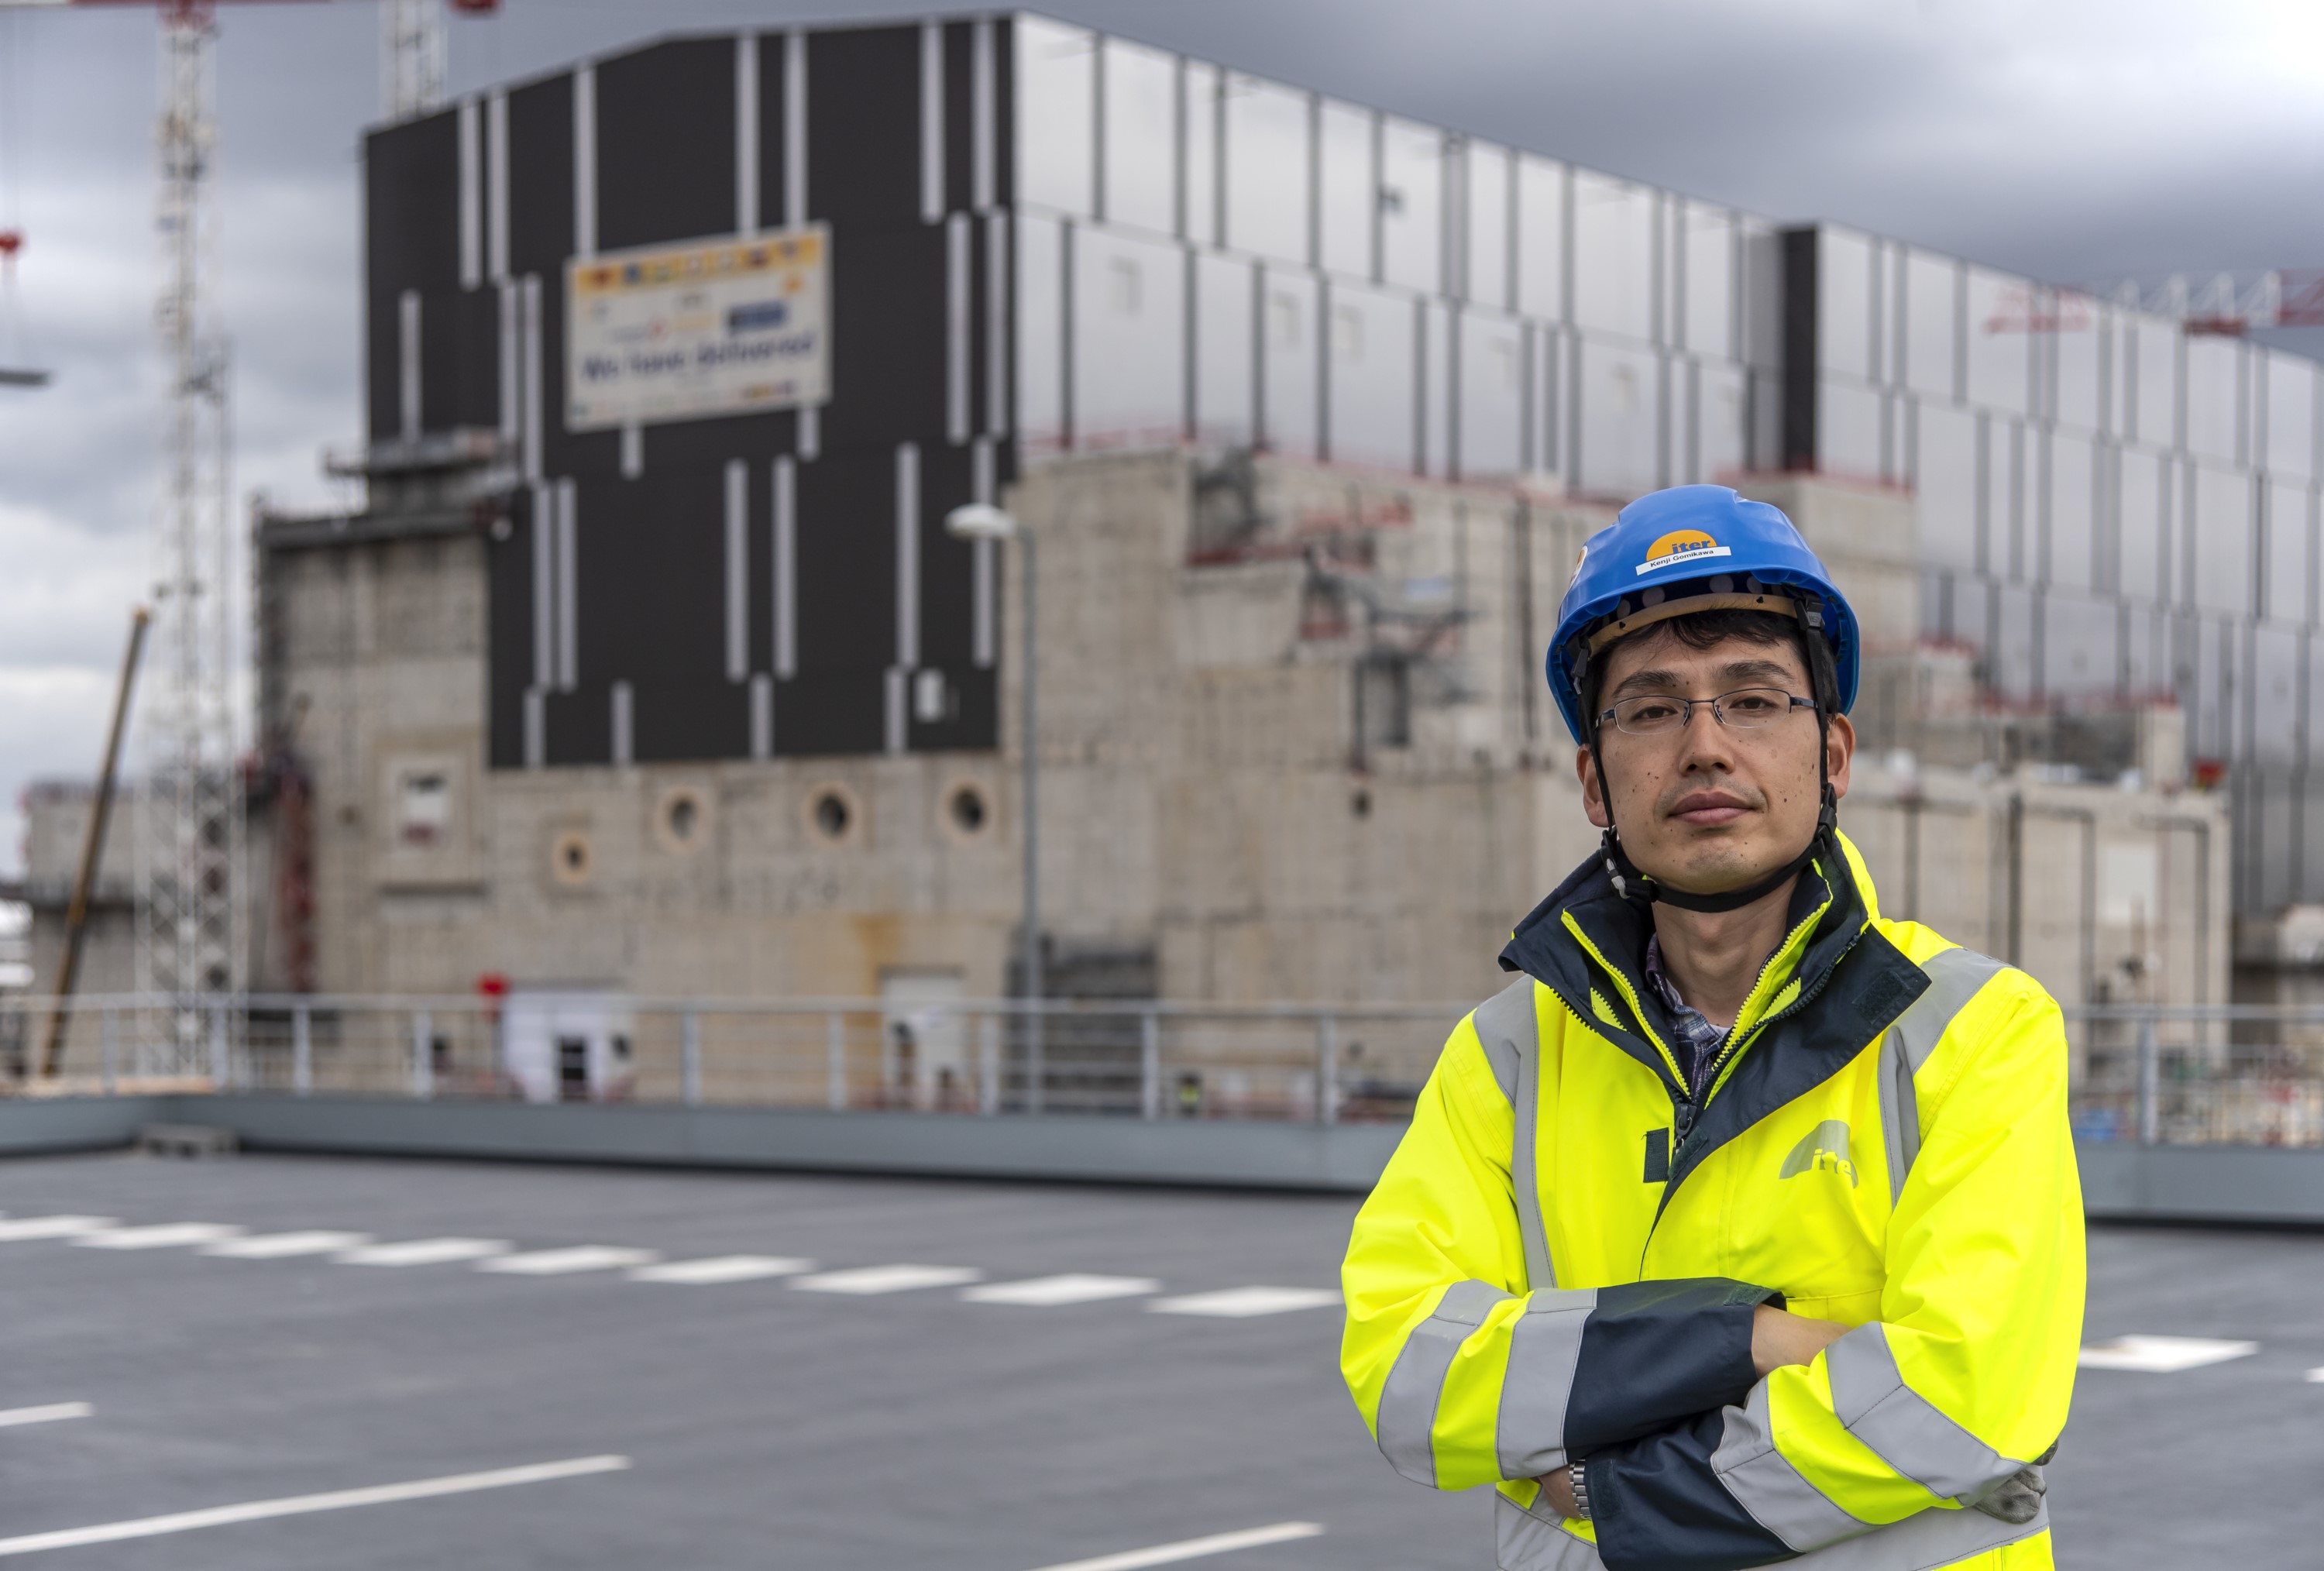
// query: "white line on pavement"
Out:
[282,1245]
[2163,1354]
[220,1516]
[423,1252]
[558,1262]
[1072,1287]
[11,1417]
[28,1227]
[2316,1377]
[1240,1303]
[1193,1548]
[722,1268]
[166,1236]
[888,1279]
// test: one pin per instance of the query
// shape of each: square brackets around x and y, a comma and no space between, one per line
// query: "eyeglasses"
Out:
[1744,709]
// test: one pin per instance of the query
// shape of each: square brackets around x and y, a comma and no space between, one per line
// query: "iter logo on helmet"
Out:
[1679,547]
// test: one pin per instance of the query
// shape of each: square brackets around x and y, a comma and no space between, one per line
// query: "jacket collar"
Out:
[1587,944]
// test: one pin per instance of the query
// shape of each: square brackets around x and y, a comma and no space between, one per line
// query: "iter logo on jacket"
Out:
[1681,545]
[1823,1150]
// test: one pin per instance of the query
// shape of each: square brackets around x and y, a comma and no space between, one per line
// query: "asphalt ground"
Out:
[765,1424]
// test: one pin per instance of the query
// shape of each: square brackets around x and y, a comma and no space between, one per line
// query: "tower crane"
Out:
[191,903]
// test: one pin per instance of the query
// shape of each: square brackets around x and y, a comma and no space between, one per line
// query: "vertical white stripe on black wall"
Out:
[786,570]
[956,312]
[510,379]
[738,570]
[810,419]
[762,716]
[633,450]
[536,729]
[998,347]
[529,333]
[908,555]
[894,717]
[983,125]
[407,362]
[585,161]
[794,128]
[544,588]
[472,196]
[496,183]
[624,720]
[568,590]
[980,629]
[746,133]
[932,125]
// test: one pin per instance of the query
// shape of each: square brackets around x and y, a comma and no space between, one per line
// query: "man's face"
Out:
[1710,807]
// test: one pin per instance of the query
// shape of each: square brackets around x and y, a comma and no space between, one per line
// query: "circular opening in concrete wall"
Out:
[682,821]
[832,814]
[571,859]
[966,810]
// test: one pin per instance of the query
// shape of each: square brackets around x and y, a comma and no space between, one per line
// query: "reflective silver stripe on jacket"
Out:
[1764,1482]
[1533,1542]
[1545,1349]
[1902,1428]
[1510,1033]
[1407,1419]
[1955,976]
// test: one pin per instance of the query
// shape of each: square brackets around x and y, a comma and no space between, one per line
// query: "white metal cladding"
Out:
[2110,507]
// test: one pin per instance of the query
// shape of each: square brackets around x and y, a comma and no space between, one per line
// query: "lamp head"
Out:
[979,521]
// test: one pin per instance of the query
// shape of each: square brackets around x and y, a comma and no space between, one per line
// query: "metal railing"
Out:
[2186,1075]
[2215,1075]
[1135,1058]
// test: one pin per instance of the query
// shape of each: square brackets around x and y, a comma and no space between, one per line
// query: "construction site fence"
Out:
[2188,1076]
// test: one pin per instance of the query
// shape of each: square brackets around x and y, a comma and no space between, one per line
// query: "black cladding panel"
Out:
[666,172]
[411,241]
[863,125]
[640,583]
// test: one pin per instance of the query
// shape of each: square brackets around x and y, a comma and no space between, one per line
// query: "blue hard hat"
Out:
[1693,548]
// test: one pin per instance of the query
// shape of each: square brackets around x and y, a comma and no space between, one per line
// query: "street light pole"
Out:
[1030,761]
[981,521]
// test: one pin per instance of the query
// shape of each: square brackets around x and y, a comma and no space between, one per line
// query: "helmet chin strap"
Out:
[1636,886]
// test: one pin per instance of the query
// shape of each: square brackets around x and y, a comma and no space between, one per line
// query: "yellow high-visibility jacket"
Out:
[1562,1258]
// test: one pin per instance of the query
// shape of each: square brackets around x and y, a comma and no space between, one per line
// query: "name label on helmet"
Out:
[1681,545]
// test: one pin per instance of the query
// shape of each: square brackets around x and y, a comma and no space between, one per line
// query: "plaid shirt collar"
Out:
[1698,1041]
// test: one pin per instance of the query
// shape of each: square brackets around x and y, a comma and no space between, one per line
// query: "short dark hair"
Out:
[1701,630]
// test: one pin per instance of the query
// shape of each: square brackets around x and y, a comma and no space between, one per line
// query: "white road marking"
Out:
[2163,1354]
[722,1268]
[219,1516]
[2316,1377]
[888,1279]
[1072,1287]
[11,1417]
[166,1236]
[1194,1548]
[281,1245]
[1241,1303]
[423,1252]
[558,1262]
[26,1227]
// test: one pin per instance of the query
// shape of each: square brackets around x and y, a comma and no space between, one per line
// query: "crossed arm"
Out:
[1778,1337]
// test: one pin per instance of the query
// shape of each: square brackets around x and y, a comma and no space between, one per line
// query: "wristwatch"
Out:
[1578,1479]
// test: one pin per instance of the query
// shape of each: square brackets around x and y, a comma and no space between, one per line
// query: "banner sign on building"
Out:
[676,332]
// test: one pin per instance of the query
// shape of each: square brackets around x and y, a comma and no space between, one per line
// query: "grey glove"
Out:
[2017,1499]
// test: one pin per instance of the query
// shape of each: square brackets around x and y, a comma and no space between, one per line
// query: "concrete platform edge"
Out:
[2234,1184]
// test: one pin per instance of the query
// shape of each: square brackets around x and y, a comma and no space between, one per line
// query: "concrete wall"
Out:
[1294,745]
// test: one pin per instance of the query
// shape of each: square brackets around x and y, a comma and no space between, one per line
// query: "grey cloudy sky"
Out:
[2074,140]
